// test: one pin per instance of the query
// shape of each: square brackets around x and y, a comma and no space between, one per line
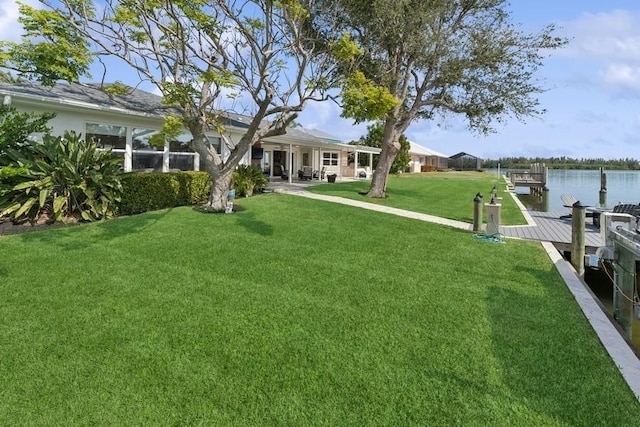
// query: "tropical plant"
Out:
[247,179]
[62,178]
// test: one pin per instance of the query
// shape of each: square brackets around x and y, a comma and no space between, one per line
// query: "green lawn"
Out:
[293,312]
[446,194]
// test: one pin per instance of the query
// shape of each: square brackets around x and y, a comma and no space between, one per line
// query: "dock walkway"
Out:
[549,227]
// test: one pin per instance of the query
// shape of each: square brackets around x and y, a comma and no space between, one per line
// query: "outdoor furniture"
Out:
[315,173]
[568,201]
[284,173]
[595,213]
[626,208]
[307,172]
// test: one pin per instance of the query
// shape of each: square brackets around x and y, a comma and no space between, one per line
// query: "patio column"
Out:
[290,161]
[355,164]
[165,157]
[196,161]
[128,151]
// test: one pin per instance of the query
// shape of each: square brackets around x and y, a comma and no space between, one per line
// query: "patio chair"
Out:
[567,201]
[315,173]
[307,172]
[284,173]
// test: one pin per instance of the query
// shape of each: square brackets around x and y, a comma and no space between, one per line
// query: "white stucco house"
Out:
[125,123]
[425,159]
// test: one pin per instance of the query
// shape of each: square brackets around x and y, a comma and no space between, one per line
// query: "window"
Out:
[107,136]
[182,144]
[330,159]
[141,139]
[216,141]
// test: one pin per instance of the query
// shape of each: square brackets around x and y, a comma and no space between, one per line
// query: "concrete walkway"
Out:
[623,357]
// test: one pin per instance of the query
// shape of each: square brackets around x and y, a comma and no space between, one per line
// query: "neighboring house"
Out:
[424,159]
[465,162]
[125,123]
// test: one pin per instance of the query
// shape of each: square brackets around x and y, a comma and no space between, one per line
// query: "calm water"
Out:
[584,185]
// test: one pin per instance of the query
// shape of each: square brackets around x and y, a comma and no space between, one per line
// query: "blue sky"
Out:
[593,101]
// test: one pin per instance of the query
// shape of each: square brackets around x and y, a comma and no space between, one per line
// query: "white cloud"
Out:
[623,78]
[609,36]
[10,29]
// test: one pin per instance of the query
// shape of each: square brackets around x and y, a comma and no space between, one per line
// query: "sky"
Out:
[592,100]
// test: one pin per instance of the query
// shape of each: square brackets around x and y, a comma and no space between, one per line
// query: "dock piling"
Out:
[578,216]
[477,213]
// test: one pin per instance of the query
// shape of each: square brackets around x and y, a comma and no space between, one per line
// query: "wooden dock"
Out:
[535,178]
[549,227]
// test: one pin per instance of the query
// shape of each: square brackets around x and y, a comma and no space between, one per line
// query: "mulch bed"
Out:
[7,227]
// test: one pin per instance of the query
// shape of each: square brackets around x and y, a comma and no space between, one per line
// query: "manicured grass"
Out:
[446,194]
[293,312]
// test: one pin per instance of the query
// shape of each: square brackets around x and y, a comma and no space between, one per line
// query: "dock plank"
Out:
[549,227]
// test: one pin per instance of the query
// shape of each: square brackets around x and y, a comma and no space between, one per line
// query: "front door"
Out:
[280,162]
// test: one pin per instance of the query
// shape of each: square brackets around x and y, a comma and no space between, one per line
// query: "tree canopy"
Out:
[439,57]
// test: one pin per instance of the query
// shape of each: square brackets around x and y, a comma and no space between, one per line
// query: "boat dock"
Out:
[550,227]
[535,178]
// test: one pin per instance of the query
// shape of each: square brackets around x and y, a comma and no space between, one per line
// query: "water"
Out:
[584,185]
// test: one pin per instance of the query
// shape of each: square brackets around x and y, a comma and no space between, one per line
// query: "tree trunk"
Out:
[220,186]
[390,147]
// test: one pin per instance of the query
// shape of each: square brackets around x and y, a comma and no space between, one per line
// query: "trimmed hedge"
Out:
[144,191]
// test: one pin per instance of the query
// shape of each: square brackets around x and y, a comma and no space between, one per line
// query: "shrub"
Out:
[248,179]
[15,128]
[61,178]
[144,192]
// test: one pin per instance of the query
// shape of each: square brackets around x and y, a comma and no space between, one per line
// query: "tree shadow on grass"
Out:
[251,223]
[244,218]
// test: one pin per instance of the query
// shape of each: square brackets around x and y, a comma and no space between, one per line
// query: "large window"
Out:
[141,139]
[107,136]
[145,156]
[330,159]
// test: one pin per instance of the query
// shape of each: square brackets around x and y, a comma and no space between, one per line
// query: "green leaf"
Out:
[86,216]
[25,207]
[58,204]
[44,194]
[9,209]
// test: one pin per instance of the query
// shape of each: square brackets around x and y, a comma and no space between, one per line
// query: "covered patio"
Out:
[301,156]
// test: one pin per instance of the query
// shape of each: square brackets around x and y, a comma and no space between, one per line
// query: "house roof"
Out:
[141,103]
[137,102]
[462,154]
[423,151]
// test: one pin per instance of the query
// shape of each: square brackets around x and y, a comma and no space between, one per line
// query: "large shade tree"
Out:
[195,53]
[438,57]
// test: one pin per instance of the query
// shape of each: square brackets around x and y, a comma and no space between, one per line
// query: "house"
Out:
[424,159]
[465,161]
[125,124]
